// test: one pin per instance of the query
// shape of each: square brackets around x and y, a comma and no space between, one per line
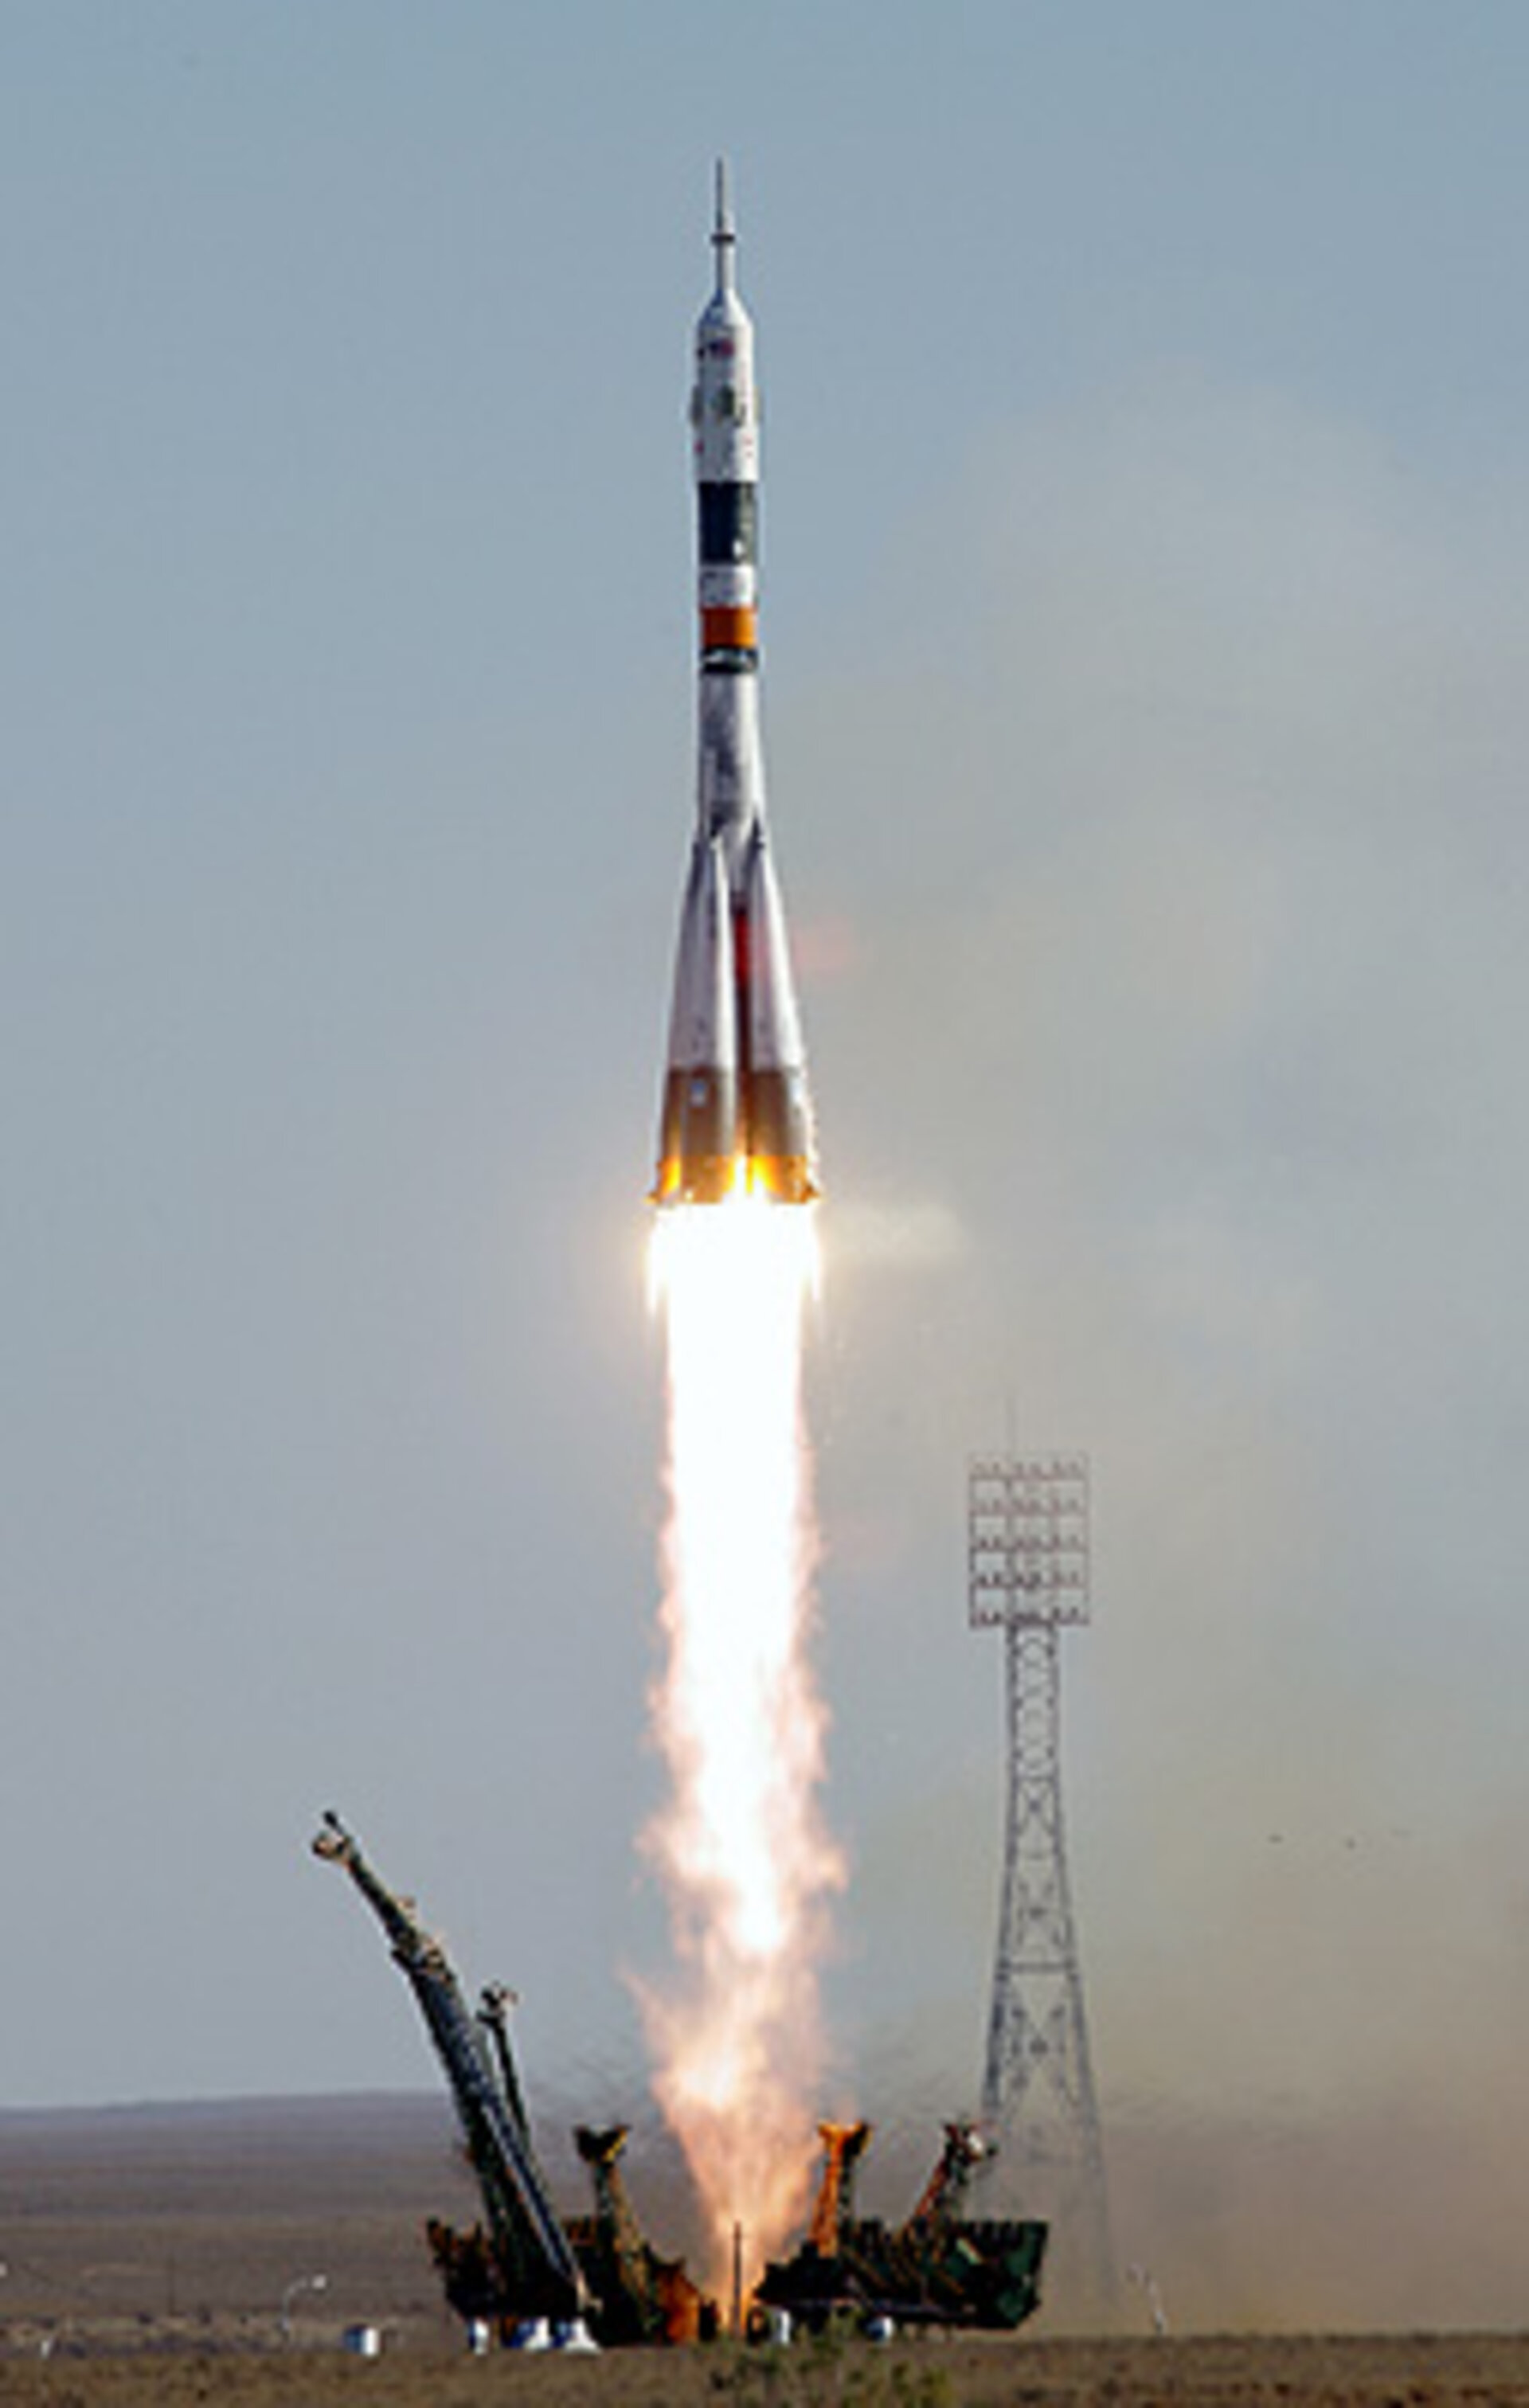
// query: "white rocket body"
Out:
[737,1116]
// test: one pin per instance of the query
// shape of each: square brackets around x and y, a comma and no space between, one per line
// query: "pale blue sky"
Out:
[1145,513]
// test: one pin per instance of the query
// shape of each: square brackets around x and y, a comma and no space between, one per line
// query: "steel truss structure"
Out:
[1028,1575]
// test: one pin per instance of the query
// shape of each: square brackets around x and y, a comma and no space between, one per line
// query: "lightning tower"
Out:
[1028,1575]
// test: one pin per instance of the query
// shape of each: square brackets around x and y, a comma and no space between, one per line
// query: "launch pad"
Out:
[521,2267]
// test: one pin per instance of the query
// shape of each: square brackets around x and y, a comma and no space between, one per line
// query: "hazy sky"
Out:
[1146,498]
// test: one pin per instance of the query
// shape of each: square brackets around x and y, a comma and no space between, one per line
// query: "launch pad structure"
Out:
[1028,1575]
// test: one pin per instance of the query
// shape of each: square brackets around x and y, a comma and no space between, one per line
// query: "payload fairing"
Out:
[737,1116]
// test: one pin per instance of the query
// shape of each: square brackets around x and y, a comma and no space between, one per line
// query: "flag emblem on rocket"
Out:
[737,1116]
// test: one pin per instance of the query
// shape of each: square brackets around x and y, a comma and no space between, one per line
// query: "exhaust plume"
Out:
[740,1843]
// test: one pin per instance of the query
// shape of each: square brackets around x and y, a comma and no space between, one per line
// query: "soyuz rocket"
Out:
[737,1116]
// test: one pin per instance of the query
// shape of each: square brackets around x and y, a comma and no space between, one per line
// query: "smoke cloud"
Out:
[1178,864]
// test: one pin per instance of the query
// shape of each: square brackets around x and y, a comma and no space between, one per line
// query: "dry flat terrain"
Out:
[148,2253]
[1394,2371]
[196,2219]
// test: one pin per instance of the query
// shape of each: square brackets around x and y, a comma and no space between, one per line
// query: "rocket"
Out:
[737,1116]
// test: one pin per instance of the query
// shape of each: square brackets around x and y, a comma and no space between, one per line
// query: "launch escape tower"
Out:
[1028,1575]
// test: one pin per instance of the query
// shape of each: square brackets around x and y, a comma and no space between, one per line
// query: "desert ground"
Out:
[154,2255]
[1346,2372]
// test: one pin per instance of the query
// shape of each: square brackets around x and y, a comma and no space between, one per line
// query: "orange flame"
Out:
[739,1719]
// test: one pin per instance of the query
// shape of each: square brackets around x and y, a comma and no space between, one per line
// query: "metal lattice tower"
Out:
[1028,1575]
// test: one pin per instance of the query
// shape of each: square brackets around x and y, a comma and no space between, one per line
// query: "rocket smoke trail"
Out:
[740,1845]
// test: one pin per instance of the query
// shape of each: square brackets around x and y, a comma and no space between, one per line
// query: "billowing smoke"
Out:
[1176,973]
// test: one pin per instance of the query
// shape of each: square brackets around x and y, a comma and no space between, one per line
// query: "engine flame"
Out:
[747,1864]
